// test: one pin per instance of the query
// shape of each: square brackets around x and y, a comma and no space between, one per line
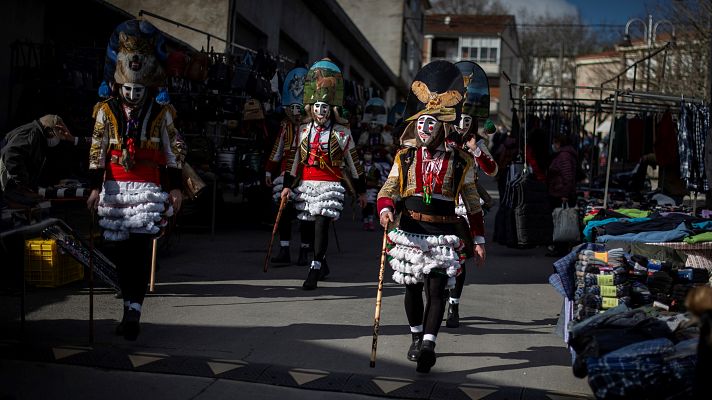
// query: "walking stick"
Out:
[154,252]
[282,204]
[91,277]
[379,295]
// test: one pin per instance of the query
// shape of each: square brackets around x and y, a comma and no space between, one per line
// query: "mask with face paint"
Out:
[321,112]
[429,131]
[133,93]
[295,111]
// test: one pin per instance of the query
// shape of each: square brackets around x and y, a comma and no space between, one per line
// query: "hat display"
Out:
[477,96]
[135,54]
[375,111]
[293,87]
[324,83]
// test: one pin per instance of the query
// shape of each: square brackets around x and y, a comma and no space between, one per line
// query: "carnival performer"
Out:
[135,147]
[475,106]
[282,157]
[325,147]
[424,184]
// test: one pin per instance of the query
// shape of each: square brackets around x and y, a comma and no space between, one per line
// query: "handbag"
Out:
[566,224]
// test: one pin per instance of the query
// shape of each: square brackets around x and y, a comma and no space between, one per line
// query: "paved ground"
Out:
[216,317]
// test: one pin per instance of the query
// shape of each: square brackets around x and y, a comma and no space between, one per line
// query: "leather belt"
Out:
[440,219]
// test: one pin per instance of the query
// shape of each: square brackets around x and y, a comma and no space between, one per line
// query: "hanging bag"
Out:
[566,224]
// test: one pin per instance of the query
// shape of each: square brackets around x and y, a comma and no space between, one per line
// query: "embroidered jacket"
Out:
[455,178]
[159,140]
[338,146]
[284,148]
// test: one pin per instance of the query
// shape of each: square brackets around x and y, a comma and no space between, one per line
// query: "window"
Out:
[444,48]
[479,49]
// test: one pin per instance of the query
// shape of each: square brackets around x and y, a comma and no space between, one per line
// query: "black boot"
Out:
[283,257]
[414,349]
[120,326]
[453,316]
[312,279]
[303,256]
[132,326]
[426,358]
[324,270]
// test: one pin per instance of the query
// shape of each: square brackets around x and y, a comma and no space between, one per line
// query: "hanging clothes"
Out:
[666,141]
[693,125]
[620,140]
[636,138]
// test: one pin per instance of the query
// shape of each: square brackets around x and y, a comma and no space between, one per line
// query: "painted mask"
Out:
[133,93]
[321,112]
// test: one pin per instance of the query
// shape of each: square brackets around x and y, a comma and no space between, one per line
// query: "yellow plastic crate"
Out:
[45,266]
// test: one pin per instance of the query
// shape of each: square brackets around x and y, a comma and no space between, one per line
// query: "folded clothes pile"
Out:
[601,282]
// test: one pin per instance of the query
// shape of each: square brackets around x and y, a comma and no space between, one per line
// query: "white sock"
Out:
[416,329]
[126,304]
[316,265]
[135,306]
[429,337]
[454,300]
[284,243]
[304,245]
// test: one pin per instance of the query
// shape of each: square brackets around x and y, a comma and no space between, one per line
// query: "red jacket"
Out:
[561,177]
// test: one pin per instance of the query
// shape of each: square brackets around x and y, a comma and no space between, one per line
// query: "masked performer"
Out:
[475,105]
[426,180]
[325,146]
[135,148]
[282,155]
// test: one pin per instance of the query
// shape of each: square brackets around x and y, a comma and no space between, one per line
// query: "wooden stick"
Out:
[154,253]
[379,295]
[282,204]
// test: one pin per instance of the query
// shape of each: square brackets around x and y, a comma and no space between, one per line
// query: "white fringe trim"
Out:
[132,207]
[319,198]
[415,256]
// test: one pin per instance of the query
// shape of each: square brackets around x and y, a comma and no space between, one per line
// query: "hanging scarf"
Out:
[432,166]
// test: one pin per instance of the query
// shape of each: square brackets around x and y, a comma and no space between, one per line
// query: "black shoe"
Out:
[426,358]
[312,279]
[414,349]
[132,326]
[120,326]
[453,316]
[283,257]
[324,270]
[303,256]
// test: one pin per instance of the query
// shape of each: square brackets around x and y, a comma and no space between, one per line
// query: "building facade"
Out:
[489,40]
[395,29]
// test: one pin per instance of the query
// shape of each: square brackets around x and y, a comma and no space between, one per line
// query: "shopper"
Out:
[561,182]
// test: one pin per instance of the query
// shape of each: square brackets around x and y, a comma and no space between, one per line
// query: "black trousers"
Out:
[321,237]
[306,228]
[456,292]
[430,314]
[132,258]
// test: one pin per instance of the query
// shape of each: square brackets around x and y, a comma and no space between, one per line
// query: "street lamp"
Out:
[649,33]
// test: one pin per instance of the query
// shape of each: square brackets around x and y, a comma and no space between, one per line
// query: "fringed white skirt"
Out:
[412,256]
[319,198]
[132,207]
[277,189]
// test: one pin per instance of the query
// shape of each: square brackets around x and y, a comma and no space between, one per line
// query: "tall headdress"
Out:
[477,96]
[135,54]
[324,83]
[437,90]
[293,87]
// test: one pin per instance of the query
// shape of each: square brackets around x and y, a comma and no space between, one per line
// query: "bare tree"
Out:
[490,7]
[689,68]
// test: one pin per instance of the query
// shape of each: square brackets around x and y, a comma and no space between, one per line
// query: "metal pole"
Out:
[650,44]
[611,135]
